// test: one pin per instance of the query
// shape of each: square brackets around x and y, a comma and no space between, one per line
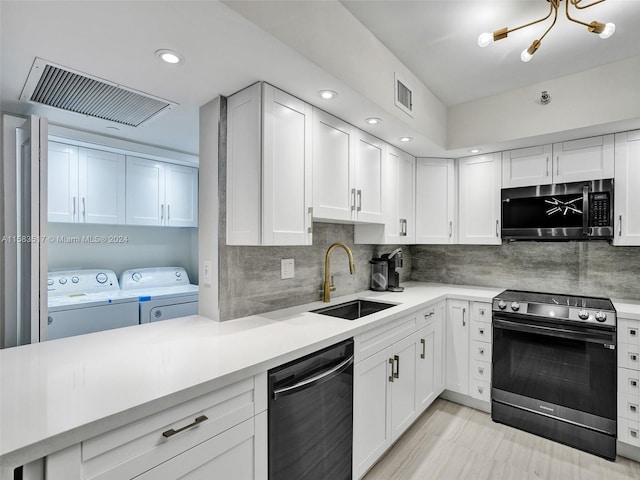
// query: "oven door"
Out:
[563,371]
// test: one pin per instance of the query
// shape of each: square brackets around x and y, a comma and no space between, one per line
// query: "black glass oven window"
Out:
[557,211]
[571,373]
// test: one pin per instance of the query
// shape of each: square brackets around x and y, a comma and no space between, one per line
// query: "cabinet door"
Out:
[406,198]
[369,167]
[457,346]
[430,361]
[585,159]
[403,389]
[627,189]
[286,169]
[371,424]
[527,166]
[479,187]
[101,187]
[145,192]
[181,195]
[435,201]
[62,183]
[244,172]
[333,170]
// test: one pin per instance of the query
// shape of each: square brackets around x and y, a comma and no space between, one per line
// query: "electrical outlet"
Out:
[286,268]
[206,273]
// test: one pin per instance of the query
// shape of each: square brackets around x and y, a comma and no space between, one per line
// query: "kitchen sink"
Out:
[354,309]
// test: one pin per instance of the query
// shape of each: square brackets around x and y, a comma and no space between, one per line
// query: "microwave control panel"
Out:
[599,210]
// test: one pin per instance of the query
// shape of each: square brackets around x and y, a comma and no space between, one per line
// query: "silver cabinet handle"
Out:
[633,433]
[84,208]
[558,165]
[359,195]
[310,227]
[168,212]
[171,432]
[74,208]
[547,165]
[391,375]
[162,211]
[497,225]
[429,314]
[633,357]
[403,227]
[450,229]
[424,348]
[464,311]
[633,332]
[353,199]
[620,226]
[396,358]
[633,383]
[633,408]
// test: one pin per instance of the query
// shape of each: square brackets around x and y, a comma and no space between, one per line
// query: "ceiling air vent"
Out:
[403,96]
[61,87]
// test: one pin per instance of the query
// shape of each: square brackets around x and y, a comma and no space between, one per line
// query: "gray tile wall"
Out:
[581,268]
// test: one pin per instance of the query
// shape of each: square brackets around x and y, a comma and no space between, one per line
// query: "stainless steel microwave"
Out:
[562,211]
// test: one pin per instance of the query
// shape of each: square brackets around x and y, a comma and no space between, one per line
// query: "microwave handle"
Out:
[585,210]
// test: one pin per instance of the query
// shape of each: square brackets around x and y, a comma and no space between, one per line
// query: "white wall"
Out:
[582,104]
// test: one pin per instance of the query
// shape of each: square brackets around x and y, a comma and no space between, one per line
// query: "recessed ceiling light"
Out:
[169,56]
[373,120]
[328,94]
[405,139]
[475,150]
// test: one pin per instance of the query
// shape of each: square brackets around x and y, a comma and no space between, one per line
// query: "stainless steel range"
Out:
[554,368]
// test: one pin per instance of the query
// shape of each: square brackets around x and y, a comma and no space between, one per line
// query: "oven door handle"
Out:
[608,340]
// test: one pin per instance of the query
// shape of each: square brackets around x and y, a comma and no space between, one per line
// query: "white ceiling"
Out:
[225,52]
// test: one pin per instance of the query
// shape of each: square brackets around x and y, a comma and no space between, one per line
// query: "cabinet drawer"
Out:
[629,331]
[629,356]
[380,338]
[629,432]
[629,406]
[132,449]
[481,351]
[480,331]
[480,389]
[481,312]
[628,381]
[481,370]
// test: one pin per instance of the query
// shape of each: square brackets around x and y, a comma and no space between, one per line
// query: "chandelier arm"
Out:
[575,3]
[552,6]
[575,20]
[555,18]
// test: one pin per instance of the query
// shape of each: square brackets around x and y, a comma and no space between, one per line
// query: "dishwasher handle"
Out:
[315,380]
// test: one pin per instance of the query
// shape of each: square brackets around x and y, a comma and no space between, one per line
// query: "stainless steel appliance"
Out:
[563,211]
[311,416]
[384,273]
[554,368]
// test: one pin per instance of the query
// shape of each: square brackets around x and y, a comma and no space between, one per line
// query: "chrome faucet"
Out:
[328,286]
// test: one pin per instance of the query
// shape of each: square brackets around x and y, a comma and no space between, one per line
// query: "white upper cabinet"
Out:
[160,193]
[572,161]
[85,185]
[479,199]
[435,201]
[268,168]
[369,168]
[627,189]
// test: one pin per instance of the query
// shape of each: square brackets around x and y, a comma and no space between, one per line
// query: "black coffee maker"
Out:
[383,272]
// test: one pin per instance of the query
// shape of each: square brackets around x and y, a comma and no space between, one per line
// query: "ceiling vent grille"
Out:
[63,88]
[403,96]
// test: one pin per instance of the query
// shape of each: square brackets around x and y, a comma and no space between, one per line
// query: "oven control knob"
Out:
[583,315]
[515,306]
[502,305]
[601,316]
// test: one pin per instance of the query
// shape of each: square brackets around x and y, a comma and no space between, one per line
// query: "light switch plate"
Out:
[286,268]
[206,273]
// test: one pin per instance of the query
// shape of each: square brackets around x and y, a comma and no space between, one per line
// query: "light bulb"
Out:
[609,30]
[485,39]
[525,56]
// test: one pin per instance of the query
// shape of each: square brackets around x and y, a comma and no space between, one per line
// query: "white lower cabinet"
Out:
[222,434]
[457,346]
[430,357]
[629,381]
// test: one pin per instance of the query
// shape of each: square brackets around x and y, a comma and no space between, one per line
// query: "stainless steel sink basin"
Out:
[354,309]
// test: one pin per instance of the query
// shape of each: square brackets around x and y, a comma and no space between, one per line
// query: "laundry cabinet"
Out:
[161,193]
[85,185]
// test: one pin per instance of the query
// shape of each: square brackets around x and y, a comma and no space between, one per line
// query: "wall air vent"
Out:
[403,95]
[61,87]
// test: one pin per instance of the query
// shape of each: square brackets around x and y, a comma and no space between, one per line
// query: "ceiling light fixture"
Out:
[603,30]
[406,139]
[475,150]
[169,56]
[373,121]
[328,94]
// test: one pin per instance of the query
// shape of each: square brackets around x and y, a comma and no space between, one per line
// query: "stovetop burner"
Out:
[575,308]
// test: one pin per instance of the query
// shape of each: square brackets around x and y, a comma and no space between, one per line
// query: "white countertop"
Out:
[57,393]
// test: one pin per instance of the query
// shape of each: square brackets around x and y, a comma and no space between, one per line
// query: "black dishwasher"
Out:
[311,416]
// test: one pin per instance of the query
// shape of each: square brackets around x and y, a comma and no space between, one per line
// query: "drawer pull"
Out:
[633,433]
[633,332]
[480,390]
[481,351]
[482,311]
[424,348]
[481,370]
[171,432]
[634,357]
[427,315]
[633,408]
[633,383]
[481,331]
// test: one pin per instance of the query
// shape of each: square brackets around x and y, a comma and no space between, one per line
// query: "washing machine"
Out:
[86,301]
[162,292]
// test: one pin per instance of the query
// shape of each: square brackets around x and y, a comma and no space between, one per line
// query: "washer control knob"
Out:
[50,281]
[601,316]
[502,305]
[136,276]
[583,315]
[178,274]
[515,306]
[62,281]
[75,279]
[102,277]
